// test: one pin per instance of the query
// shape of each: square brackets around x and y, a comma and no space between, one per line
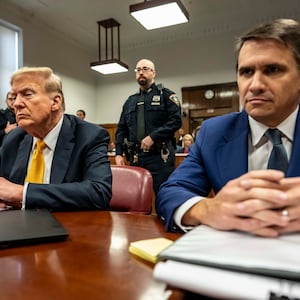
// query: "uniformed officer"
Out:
[7,117]
[147,126]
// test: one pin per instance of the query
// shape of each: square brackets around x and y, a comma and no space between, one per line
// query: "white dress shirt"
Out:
[50,140]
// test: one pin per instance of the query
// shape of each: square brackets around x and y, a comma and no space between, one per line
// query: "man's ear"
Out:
[57,102]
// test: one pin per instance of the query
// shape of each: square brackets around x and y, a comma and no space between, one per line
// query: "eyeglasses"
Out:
[143,69]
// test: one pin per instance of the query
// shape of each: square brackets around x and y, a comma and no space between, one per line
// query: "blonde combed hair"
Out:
[52,84]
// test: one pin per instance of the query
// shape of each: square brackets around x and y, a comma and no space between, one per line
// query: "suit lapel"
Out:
[232,158]
[62,154]
[19,170]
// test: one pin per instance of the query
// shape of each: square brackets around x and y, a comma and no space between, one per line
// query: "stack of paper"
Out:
[232,265]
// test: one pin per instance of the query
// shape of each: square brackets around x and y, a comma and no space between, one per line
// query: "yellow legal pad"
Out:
[149,249]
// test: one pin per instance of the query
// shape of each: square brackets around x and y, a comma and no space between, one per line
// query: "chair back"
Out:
[132,189]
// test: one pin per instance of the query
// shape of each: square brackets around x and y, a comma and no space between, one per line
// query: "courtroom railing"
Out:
[179,157]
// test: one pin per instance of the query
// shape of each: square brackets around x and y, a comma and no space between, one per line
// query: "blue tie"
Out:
[278,159]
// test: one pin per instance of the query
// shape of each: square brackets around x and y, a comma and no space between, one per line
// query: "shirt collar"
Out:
[287,127]
[51,138]
[147,91]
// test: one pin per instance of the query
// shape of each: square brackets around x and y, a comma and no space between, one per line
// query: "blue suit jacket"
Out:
[219,154]
[80,174]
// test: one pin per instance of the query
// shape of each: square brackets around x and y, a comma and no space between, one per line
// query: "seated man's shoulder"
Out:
[81,127]
[232,123]
[14,138]
[132,97]
[226,118]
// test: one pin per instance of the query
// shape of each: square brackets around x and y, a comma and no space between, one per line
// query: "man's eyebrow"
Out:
[275,64]
[243,68]
[23,90]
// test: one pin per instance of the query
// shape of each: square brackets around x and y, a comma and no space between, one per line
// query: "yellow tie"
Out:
[36,169]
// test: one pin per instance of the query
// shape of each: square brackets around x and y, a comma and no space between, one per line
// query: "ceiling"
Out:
[76,20]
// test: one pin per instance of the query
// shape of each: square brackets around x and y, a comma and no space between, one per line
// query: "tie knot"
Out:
[40,145]
[274,135]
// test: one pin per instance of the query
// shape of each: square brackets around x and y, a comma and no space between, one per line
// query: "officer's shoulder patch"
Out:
[174,98]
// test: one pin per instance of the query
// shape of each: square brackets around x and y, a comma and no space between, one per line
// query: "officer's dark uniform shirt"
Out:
[162,117]
[6,115]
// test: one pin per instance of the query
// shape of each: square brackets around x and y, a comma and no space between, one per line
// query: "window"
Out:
[11,55]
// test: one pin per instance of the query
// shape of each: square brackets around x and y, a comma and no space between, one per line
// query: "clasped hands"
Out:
[260,202]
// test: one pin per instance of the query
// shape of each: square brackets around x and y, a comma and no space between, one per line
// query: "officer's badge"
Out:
[155,100]
[174,99]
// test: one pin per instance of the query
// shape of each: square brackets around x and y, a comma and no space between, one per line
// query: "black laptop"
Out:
[26,227]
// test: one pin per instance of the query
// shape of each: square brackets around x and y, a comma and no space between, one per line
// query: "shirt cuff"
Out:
[182,209]
[24,196]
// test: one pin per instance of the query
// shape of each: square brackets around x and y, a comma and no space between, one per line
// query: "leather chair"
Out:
[132,189]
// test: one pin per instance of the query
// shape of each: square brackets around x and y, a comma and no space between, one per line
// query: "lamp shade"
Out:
[109,66]
[111,63]
[159,13]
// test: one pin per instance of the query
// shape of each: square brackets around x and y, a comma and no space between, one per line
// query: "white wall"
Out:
[44,47]
[207,60]
[70,63]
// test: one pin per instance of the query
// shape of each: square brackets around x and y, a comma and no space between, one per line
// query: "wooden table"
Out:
[94,262]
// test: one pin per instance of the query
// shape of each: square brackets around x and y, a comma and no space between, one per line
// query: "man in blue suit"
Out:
[77,174]
[231,152]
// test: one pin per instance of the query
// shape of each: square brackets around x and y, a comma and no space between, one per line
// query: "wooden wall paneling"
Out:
[202,102]
[111,128]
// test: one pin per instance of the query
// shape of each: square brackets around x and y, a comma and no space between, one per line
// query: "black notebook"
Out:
[26,227]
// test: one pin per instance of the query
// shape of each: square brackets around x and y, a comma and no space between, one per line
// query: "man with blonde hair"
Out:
[72,168]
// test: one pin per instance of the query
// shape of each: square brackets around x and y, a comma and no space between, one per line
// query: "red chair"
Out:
[132,189]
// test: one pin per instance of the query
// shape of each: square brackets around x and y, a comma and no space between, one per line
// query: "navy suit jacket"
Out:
[219,154]
[80,177]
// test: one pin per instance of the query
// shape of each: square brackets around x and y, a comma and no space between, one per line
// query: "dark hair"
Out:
[82,111]
[286,31]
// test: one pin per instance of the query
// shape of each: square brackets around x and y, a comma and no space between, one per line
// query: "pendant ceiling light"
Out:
[159,13]
[111,40]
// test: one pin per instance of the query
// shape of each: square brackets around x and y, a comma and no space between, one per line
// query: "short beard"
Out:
[142,81]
